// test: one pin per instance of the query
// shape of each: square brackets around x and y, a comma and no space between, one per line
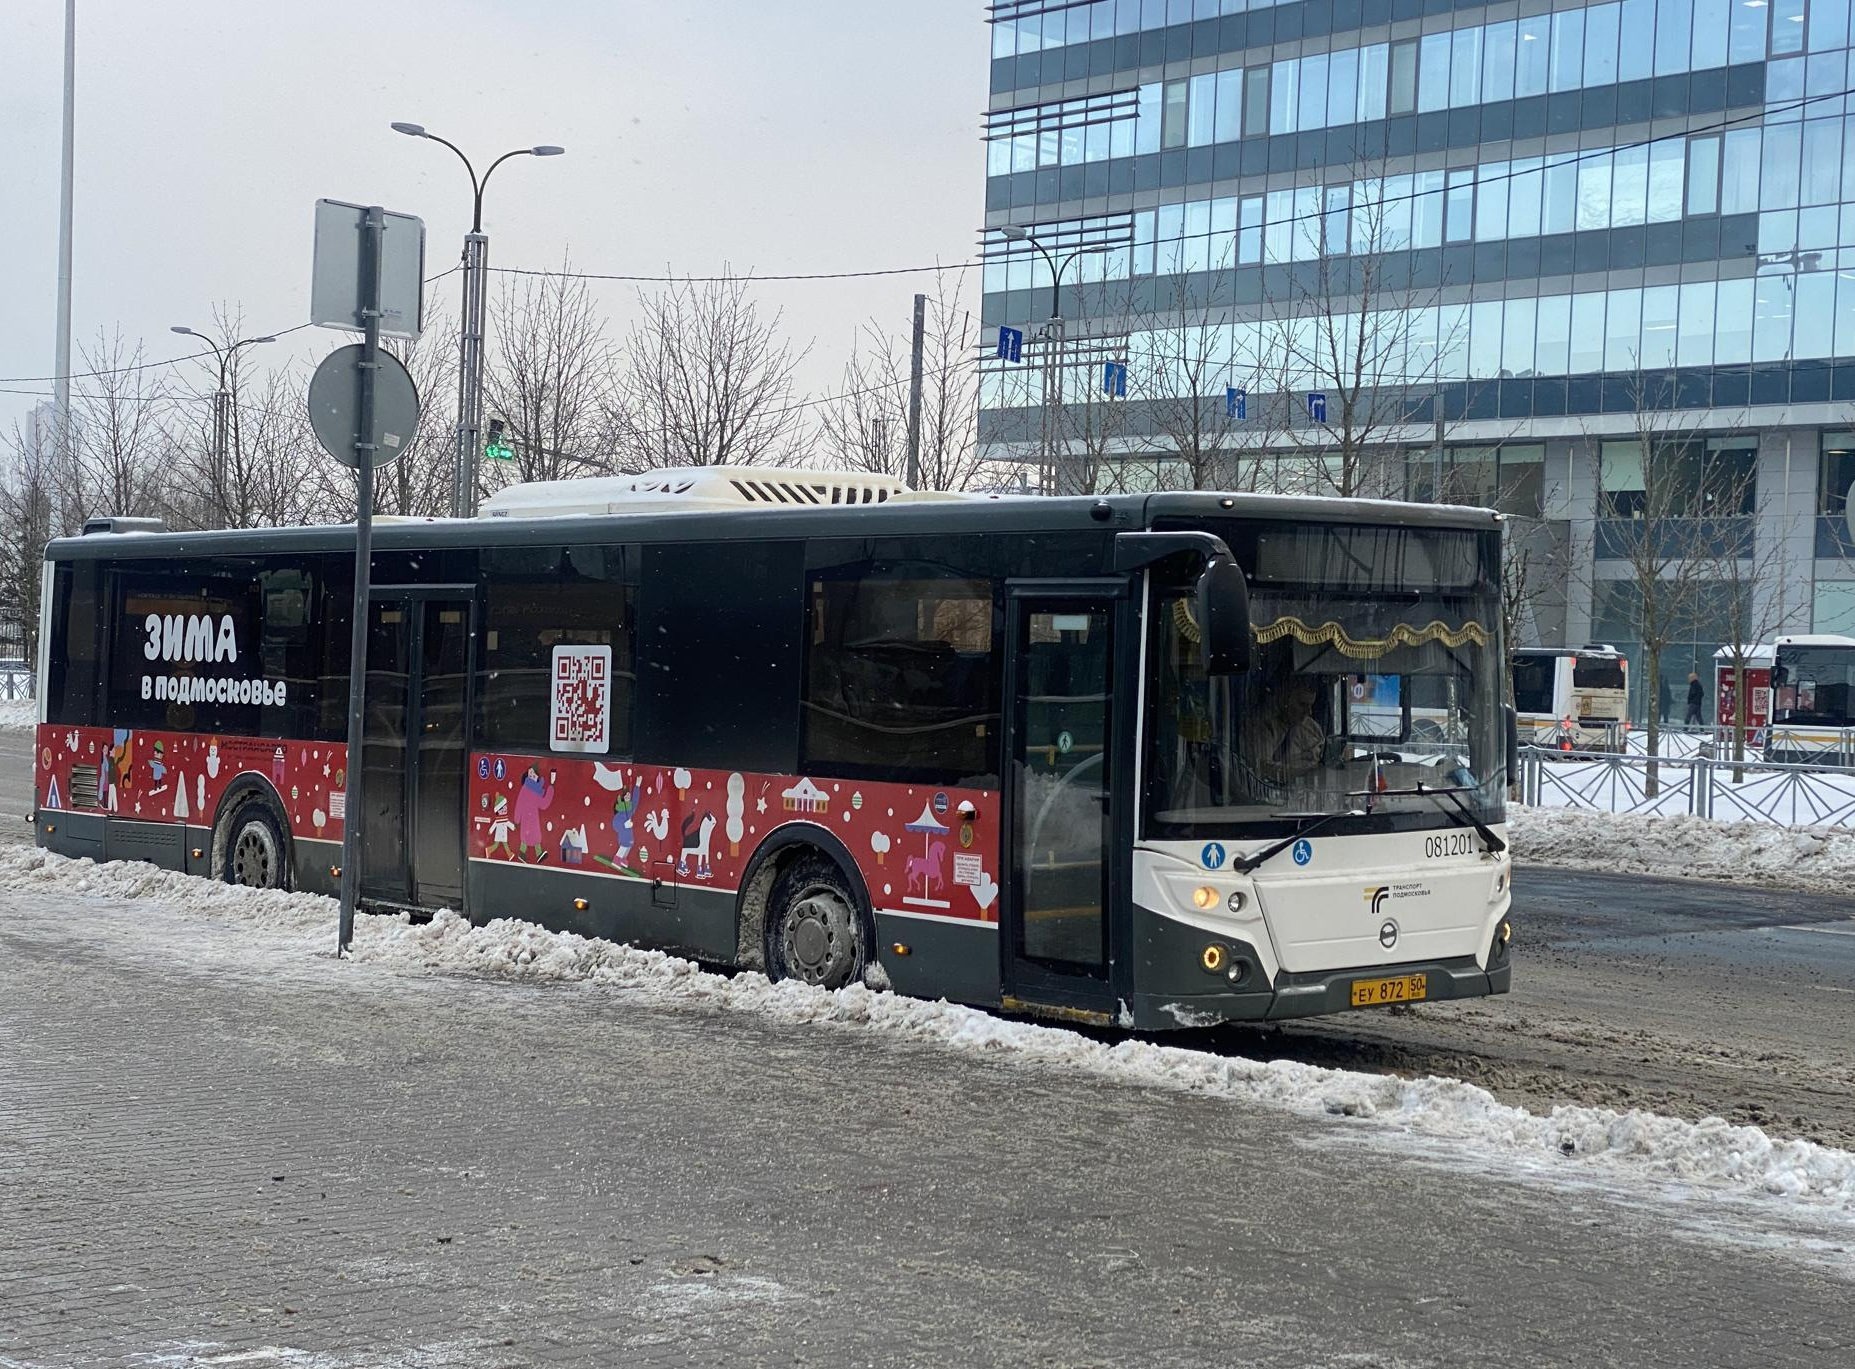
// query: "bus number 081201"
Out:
[1449,844]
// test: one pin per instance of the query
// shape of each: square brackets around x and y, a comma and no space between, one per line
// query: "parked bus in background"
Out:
[1089,758]
[1579,695]
[1813,700]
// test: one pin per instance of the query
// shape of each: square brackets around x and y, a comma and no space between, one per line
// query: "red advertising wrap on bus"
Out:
[922,851]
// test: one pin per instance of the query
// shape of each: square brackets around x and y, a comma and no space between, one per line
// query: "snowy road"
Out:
[217,1144]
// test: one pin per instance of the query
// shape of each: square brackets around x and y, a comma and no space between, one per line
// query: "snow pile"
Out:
[1711,1152]
[1816,859]
[18,714]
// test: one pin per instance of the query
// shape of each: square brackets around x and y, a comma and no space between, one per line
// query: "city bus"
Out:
[1812,700]
[1579,695]
[1087,758]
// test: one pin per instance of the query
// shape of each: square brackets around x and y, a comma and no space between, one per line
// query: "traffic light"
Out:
[495,449]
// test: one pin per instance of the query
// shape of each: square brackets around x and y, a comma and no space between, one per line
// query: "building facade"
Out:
[1580,261]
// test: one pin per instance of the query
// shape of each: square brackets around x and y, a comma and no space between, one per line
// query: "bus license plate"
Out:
[1406,988]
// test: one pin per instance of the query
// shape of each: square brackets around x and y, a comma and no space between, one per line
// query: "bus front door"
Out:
[415,748]
[1060,773]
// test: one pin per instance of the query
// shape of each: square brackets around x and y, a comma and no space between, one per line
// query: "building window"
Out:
[1837,474]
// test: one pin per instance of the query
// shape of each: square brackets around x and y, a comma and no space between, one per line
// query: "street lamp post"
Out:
[471,327]
[222,401]
[1048,476]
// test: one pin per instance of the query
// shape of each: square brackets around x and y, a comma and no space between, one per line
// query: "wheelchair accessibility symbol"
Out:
[1304,851]
[1212,855]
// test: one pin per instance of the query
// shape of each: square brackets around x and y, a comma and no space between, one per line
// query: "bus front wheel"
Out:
[255,854]
[815,931]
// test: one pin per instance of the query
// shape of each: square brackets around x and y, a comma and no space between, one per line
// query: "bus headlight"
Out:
[1204,898]
[1236,901]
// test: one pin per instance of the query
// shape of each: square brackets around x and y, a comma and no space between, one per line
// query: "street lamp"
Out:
[1052,335]
[470,330]
[222,399]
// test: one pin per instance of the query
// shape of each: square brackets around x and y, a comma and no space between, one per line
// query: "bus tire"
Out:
[816,929]
[257,855]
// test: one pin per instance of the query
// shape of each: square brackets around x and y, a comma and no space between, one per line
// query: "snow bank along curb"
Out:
[1818,859]
[18,715]
[1737,1158]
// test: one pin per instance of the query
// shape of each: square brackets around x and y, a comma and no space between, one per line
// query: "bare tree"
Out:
[1350,326]
[549,379]
[703,379]
[28,513]
[865,426]
[117,441]
[1745,570]
[1179,371]
[1672,533]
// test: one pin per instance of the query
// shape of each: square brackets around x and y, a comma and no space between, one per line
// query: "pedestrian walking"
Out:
[1664,698]
[1696,697]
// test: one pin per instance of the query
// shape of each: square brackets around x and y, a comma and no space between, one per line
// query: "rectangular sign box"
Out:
[335,286]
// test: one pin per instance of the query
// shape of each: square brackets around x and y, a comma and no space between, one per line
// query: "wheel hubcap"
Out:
[254,858]
[819,939]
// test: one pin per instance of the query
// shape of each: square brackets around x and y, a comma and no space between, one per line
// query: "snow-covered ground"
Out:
[1442,1115]
[18,714]
[1819,859]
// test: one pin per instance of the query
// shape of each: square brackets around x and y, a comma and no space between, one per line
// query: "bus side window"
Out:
[901,680]
[74,649]
[535,600]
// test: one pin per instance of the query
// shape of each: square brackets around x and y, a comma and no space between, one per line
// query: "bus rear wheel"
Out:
[815,929]
[255,854]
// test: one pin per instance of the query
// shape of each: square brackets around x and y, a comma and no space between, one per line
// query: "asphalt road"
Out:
[1687,998]
[220,1147]
[15,783]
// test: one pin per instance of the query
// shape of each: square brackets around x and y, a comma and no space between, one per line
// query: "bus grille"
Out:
[84,786]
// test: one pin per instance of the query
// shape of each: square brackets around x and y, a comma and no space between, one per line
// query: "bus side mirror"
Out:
[1512,718]
[1224,617]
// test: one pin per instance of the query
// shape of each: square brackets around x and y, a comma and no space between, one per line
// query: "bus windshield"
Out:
[1597,672]
[1376,671]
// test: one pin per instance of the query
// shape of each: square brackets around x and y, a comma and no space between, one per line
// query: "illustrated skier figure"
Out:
[534,799]
[624,810]
[501,828]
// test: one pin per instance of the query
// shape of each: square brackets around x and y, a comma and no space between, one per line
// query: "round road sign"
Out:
[335,405]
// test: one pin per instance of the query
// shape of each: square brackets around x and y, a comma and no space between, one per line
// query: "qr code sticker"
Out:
[580,715]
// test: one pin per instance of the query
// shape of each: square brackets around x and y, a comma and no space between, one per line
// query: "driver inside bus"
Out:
[1285,739]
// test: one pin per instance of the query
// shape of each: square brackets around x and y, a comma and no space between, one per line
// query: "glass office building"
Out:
[1512,242]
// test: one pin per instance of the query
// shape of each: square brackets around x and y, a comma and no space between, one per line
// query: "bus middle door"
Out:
[415,747]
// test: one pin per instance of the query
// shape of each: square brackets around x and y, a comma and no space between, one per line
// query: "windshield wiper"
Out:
[1246,864]
[1456,808]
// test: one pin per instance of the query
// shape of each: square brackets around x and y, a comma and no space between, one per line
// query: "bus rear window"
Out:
[1597,673]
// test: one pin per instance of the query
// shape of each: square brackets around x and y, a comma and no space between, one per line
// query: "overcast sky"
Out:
[801,136]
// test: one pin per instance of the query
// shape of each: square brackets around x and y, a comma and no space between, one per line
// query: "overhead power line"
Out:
[743,278]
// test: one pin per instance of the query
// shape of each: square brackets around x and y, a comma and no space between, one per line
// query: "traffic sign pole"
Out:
[373,230]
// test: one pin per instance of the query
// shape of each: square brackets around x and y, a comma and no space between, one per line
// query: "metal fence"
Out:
[1779,793]
[16,684]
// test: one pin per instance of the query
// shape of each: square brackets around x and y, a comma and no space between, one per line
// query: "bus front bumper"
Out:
[1305,994]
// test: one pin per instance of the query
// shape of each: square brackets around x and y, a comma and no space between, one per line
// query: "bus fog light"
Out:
[1236,901]
[1203,897]
[1212,957]
[1239,971]
[1507,932]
